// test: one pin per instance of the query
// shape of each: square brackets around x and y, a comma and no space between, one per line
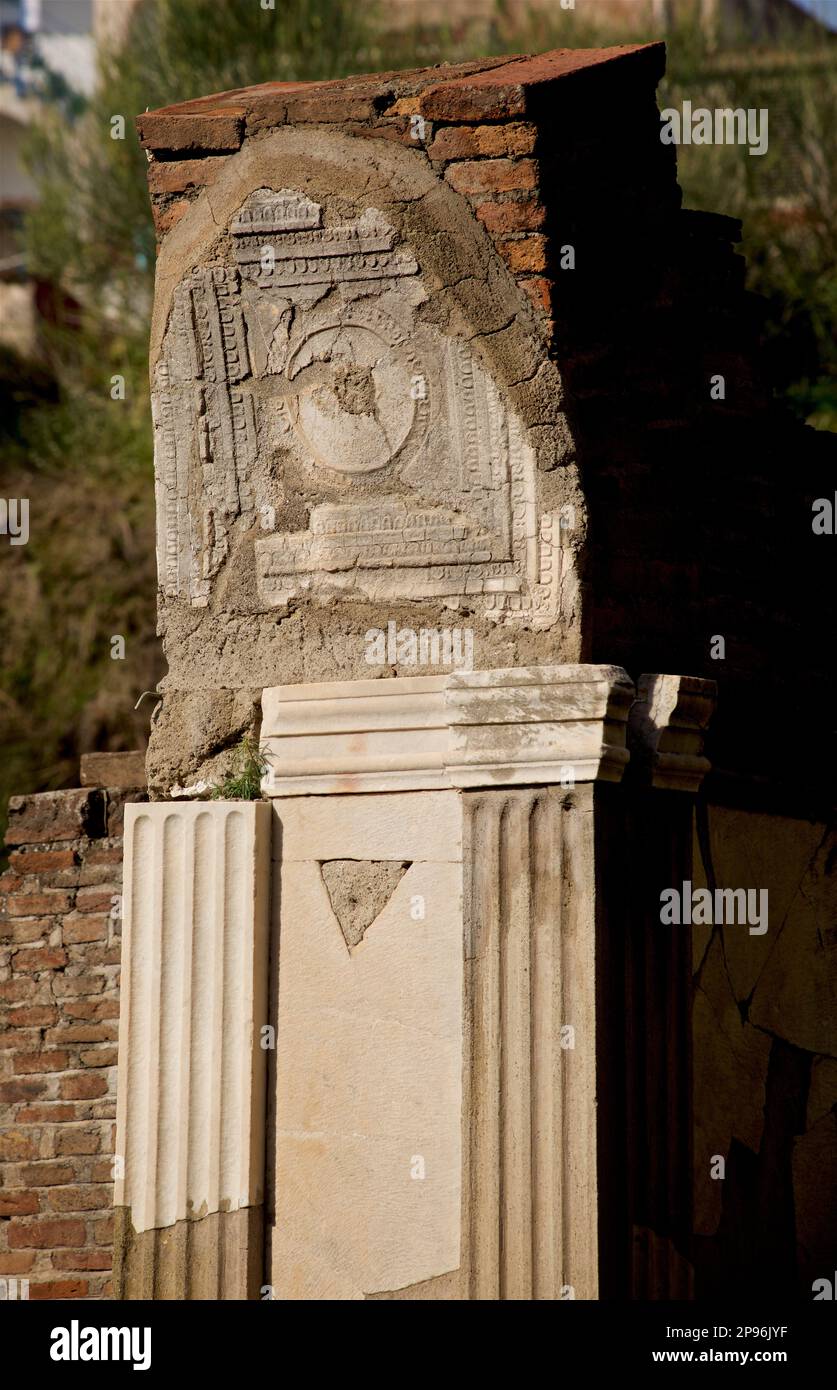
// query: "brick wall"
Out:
[59,1005]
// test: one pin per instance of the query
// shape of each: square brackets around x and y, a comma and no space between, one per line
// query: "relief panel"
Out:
[302,398]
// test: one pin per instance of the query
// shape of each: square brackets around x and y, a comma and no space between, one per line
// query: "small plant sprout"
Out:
[243,781]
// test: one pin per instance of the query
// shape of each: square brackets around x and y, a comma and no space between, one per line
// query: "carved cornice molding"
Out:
[667,728]
[531,725]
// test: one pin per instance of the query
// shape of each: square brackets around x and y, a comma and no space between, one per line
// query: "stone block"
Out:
[368,1088]
[368,827]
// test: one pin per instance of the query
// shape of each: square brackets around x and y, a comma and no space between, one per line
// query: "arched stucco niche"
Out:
[356,421]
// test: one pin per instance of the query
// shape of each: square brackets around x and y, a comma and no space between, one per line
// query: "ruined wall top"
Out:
[484,89]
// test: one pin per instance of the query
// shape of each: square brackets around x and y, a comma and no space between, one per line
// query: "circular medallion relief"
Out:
[361,398]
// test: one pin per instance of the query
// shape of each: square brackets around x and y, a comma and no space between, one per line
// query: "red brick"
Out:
[18,1203]
[164,130]
[49,1114]
[172,176]
[11,1091]
[78,1141]
[72,986]
[397,129]
[71,1199]
[492,175]
[100,1057]
[83,1032]
[15,990]
[76,932]
[82,1087]
[19,1039]
[321,104]
[16,1262]
[102,1171]
[82,1259]
[447,103]
[48,958]
[539,291]
[32,1016]
[25,931]
[91,875]
[469,142]
[42,861]
[507,90]
[102,1231]
[59,1288]
[107,855]
[47,904]
[98,899]
[45,1234]
[47,1174]
[94,953]
[40,1062]
[166,218]
[64,815]
[525,215]
[527,256]
[91,1008]
[11,883]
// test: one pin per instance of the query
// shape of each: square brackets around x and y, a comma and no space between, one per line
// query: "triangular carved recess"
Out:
[359,890]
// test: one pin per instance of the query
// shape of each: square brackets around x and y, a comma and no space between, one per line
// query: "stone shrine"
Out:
[410,1027]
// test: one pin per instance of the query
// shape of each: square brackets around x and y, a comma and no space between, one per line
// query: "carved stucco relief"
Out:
[300,397]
